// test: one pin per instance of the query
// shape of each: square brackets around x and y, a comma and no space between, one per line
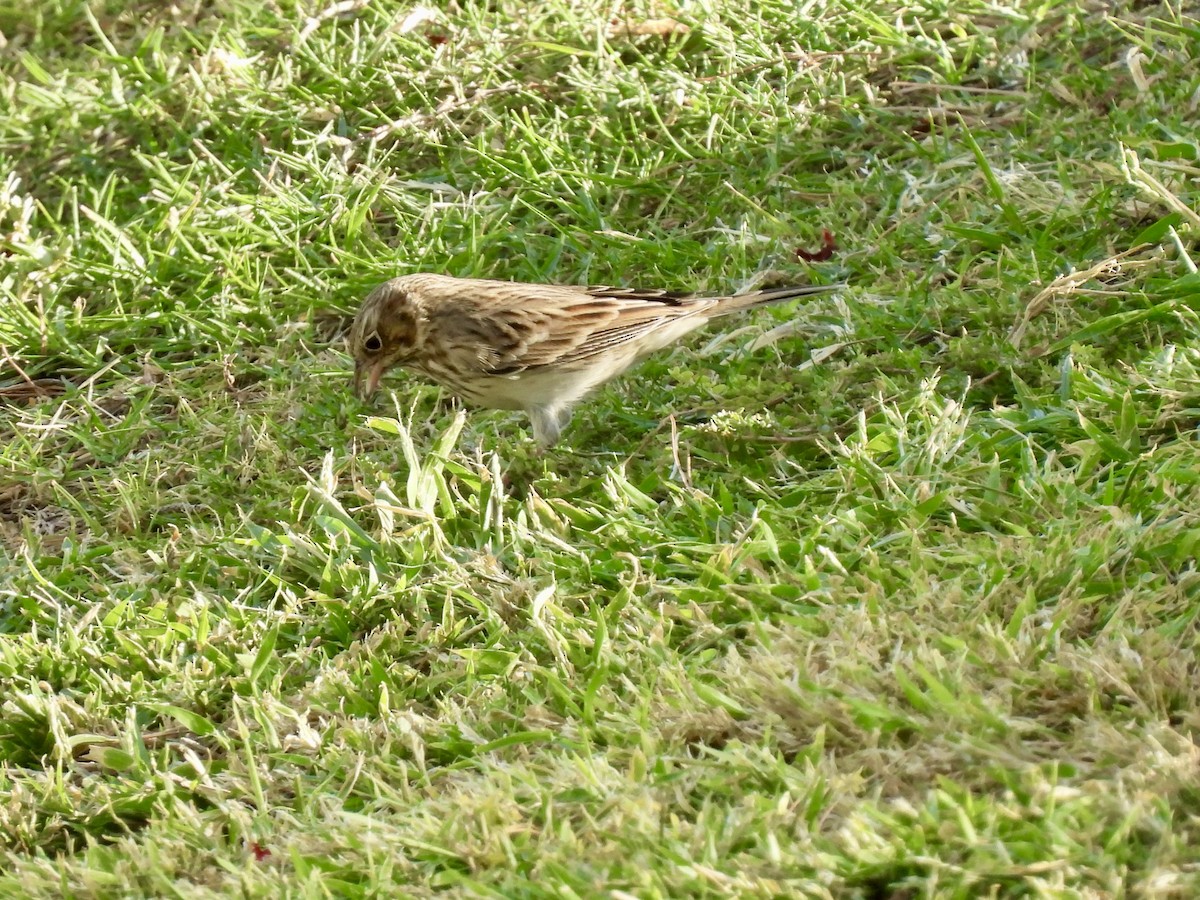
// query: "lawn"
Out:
[889,593]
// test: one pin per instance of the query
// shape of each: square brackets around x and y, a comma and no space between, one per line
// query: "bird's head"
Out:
[386,333]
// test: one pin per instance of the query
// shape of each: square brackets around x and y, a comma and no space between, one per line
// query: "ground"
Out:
[891,593]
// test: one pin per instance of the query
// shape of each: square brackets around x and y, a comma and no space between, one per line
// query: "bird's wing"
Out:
[528,327]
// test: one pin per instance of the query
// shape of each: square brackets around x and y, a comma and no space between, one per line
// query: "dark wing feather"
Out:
[655,295]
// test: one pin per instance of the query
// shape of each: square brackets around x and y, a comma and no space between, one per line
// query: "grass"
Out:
[890,594]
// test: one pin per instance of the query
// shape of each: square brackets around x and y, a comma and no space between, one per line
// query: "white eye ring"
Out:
[373,344]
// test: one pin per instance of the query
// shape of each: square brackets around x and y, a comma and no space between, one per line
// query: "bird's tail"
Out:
[739,302]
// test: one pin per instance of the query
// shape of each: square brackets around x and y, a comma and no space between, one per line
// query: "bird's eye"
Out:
[373,344]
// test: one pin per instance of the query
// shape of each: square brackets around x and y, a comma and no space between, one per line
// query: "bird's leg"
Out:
[548,423]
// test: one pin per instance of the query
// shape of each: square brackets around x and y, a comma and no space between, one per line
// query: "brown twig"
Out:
[1070,284]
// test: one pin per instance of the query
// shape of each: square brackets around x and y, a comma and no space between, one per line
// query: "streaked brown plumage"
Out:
[536,347]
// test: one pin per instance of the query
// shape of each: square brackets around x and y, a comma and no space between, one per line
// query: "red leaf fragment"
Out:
[826,251]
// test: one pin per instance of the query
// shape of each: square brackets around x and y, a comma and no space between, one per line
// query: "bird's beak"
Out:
[370,373]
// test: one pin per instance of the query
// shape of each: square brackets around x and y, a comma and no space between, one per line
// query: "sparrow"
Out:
[534,347]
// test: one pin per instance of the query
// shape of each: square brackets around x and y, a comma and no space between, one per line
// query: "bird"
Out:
[534,347]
